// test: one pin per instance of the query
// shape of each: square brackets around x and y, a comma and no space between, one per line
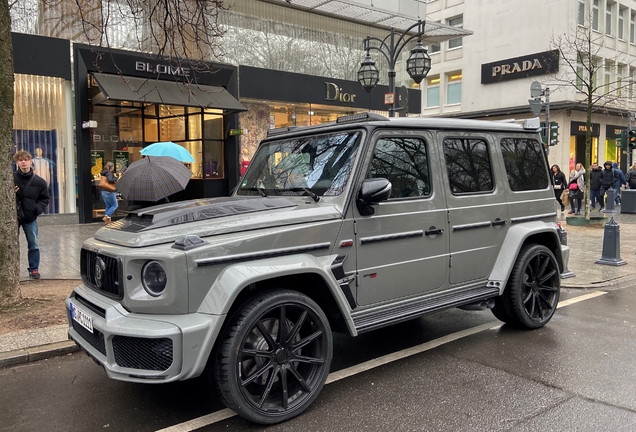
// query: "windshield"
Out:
[309,165]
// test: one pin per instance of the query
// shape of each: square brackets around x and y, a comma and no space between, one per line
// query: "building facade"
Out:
[304,54]
[488,75]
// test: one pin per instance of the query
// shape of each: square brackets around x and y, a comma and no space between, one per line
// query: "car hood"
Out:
[209,217]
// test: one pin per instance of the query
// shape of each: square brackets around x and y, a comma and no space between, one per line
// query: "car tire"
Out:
[532,293]
[267,372]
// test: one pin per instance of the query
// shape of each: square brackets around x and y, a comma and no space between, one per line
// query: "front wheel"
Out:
[532,293]
[274,357]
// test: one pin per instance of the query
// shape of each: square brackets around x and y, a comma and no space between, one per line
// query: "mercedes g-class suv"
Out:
[347,226]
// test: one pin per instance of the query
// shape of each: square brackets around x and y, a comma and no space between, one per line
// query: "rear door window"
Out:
[468,165]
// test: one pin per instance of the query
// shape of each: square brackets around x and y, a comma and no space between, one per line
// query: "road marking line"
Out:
[580,298]
[226,413]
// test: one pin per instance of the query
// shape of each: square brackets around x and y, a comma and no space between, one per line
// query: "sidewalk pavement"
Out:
[62,244]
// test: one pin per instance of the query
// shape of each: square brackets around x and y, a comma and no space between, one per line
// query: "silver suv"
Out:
[348,226]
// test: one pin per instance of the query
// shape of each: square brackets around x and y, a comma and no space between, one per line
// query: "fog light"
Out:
[153,278]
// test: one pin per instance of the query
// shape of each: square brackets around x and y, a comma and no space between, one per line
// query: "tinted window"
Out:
[404,162]
[468,164]
[525,164]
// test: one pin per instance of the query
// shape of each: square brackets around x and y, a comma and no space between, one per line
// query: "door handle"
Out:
[499,222]
[433,231]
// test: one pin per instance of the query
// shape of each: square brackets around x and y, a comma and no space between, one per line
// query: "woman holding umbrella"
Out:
[108,193]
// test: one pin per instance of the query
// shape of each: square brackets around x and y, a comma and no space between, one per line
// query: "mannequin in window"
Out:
[41,166]
[245,160]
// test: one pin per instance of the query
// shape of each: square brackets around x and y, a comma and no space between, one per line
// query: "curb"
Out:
[42,352]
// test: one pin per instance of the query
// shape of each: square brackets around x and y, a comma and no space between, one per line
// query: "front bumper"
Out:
[142,347]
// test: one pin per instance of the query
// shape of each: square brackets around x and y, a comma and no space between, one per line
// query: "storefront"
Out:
[613,150]
[42,119]
[126,101]
[279,99]
[577,143]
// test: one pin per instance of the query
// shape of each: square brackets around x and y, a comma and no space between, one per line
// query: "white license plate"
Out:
[82,318]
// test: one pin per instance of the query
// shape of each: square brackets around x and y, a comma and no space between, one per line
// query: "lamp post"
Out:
[418,64]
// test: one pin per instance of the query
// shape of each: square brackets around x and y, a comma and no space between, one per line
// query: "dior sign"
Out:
[335,93]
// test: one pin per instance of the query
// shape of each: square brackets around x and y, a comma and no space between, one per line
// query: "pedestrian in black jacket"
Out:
[595,186]
[32,197]
[558,182]
[608,178]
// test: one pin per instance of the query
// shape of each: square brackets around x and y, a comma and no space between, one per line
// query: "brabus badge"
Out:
[100,268]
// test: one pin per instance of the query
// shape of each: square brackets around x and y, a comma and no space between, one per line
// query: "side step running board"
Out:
[374,318]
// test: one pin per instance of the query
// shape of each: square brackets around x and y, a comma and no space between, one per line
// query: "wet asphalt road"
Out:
[576,374]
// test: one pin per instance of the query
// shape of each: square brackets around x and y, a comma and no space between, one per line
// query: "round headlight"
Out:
[153,278]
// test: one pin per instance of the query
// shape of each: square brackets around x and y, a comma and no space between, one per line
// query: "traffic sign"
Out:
[535,106]
[535,89]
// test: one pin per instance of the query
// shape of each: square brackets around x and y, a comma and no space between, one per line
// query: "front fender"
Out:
[234,278]
[516,237]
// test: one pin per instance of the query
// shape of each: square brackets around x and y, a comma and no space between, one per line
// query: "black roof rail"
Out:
[361,117]
[281,130]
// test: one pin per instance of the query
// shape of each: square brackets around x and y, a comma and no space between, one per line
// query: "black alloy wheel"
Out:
[274,357]
[532,293]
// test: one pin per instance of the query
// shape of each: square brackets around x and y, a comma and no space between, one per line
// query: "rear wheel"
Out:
[274,357]
[532,293]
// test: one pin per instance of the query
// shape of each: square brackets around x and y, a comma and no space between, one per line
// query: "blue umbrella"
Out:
[168,148]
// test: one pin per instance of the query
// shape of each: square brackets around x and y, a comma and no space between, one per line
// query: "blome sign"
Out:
[542,63]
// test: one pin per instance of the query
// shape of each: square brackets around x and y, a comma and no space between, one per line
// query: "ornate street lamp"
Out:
[418,64]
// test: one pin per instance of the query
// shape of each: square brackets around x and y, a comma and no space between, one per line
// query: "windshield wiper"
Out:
[257,189]
[309,192]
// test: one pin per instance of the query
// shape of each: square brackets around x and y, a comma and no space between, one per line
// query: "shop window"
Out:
[454,88]
[432,91]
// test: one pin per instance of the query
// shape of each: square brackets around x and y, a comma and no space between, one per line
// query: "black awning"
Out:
[133,89]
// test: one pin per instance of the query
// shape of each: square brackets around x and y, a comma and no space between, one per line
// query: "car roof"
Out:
[371,120]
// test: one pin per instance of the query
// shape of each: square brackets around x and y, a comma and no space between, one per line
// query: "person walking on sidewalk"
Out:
[109,196]
[620,181]
[32,197]
[558,182]
[576,188]
[595,186]
[631,177]
[608,178]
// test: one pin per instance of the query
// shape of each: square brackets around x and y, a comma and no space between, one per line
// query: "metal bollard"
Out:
[609,201]
[611,245]
[563,238]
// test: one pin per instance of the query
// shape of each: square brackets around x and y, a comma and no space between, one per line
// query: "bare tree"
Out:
[587,58]
[186,30]
[9,246]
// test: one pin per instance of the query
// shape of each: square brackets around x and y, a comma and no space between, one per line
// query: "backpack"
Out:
[631,179]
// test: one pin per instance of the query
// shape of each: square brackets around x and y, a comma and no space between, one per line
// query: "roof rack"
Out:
[361,117]
[281,130]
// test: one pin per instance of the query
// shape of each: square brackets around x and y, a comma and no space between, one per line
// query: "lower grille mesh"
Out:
[143,353]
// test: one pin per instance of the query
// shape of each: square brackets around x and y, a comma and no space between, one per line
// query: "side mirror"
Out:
[372,192]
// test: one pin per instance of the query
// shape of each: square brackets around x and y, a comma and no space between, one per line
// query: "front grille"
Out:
[143,353]
[110,283]
[96,339]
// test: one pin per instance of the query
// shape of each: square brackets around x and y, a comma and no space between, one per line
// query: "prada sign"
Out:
[580,128]
[542,63]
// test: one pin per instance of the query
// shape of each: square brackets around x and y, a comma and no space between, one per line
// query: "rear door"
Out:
[402,249]
[476,200]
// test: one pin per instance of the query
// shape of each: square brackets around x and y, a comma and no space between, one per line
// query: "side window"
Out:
[525,164]
[404,162]
[468,164]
